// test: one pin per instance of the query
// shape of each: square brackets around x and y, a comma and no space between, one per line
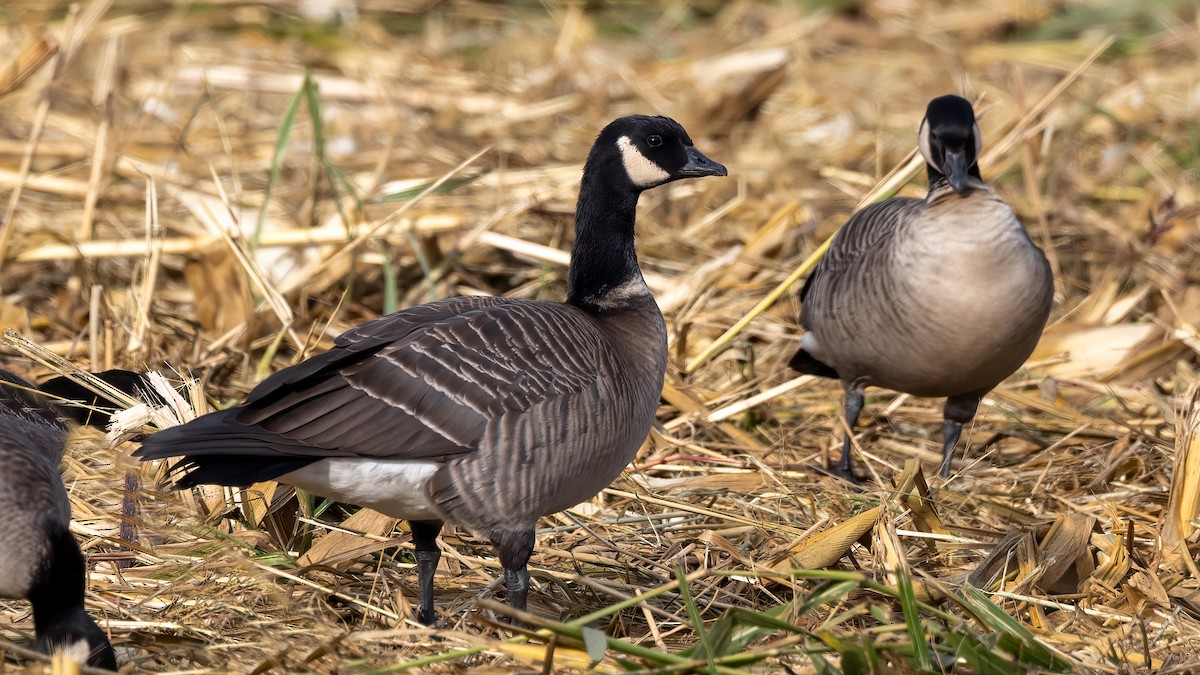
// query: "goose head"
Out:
[79,638]
[950,143]
[642,152]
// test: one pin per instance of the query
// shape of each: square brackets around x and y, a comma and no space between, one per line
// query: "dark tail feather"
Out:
[216,449]
[805,363]
[236,470]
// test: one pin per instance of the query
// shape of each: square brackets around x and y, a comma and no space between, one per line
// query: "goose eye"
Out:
[654,141]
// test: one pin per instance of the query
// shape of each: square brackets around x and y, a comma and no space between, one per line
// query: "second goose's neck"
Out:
[604,270]
[57,593]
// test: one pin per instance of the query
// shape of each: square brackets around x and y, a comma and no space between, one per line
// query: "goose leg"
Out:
[514,549]
[424,534]
[958,411]
[854,406]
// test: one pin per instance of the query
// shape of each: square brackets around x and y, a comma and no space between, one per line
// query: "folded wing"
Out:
[422,383]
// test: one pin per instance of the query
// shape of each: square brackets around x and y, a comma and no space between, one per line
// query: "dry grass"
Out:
[157,217]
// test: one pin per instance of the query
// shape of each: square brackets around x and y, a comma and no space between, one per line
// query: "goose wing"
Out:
[423,383]
[866,230]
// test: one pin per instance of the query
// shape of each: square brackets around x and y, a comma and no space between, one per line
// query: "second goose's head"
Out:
[950,142]
[639,152]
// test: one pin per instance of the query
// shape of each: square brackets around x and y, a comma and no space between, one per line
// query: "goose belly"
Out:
[942,363]
[537,464]
[956,327]
[394,487]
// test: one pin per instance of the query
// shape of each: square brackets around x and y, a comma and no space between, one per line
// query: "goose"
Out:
[486,412]
[39,558]
[940,297]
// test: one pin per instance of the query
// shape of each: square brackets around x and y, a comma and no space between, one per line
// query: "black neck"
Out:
[57,594]
[603,256]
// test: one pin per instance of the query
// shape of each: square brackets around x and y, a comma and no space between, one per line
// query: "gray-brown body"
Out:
[40,560]
[936,297]
[565,448]
[32,499]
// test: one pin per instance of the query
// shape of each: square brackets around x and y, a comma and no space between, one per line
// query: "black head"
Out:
[642,152]
[85,411]
[950,142]
[82,640]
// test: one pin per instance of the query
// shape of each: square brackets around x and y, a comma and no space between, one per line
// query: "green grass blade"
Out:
[391,293]
[1015,638]
[410,192]
[595,642]
[980,656]
[285,132]
[821,665]
[333,173]
[827,595]
[697,620]
[912,620]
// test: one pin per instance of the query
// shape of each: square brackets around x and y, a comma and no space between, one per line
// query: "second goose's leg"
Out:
[854,406]
[425,533]
[958,411]
[514,549]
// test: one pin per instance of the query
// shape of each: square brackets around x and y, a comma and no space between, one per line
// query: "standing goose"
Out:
[39,558]
[482,411]
[944,296]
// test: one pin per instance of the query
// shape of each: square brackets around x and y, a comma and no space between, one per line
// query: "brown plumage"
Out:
[487,412]
[944,296]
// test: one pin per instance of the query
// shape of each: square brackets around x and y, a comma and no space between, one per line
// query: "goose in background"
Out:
[482,411]
[941,297]
[39,558]
[83,406]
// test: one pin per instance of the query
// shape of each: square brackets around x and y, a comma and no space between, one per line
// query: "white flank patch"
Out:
[393,487]
[642,172]
[808,342]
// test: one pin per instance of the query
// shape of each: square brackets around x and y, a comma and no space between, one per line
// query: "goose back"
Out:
[32,498]
[935,297]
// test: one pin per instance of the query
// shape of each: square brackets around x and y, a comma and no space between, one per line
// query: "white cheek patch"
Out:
[923,144]
[642,172]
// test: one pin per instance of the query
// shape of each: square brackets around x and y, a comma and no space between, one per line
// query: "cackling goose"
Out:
[942,296]
[487,412]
